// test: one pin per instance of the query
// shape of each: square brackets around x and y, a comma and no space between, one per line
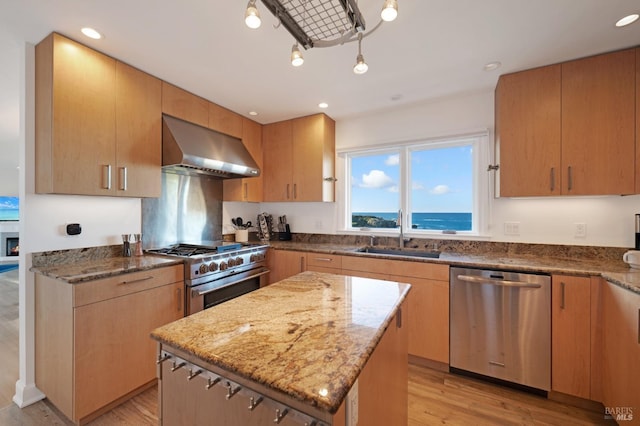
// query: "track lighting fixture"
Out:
[252,16]
[361,66]
[324,24]
[296,56]
[389,10]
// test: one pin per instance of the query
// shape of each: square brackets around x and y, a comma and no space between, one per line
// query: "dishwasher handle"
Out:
[497,282]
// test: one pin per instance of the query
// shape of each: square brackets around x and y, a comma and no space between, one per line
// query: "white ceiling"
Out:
[434,49]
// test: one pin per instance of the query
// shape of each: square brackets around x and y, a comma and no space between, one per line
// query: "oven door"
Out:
[212,293]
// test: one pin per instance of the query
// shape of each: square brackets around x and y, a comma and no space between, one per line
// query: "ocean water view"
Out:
[427,221]
[9,208]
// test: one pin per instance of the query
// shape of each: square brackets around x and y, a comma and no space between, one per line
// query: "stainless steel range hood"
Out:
[189,148]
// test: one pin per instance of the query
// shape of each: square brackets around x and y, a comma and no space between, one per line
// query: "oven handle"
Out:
[250,277]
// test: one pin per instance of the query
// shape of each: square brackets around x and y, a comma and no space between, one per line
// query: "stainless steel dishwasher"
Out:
[501,326]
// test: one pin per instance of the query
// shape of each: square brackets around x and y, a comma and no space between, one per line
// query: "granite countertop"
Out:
[93,269]
[613,270]
[308,336]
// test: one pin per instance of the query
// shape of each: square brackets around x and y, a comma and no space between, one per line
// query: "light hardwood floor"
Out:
[434,397]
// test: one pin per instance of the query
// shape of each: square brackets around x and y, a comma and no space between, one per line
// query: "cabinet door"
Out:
[248,189]
[284,264]
[75,118]
[637,120]
[277,183]
[428,323]
[528,132]
[138,132]
[383,383]
[225,121]
[308,147]
[621,335]
[113,352]
[182,104]
[571,335]
[598,124]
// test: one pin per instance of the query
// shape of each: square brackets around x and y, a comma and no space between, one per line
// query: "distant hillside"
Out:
[372,222]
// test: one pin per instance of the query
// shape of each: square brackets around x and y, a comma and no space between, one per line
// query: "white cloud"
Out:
[392,160]
[416,186]
[440,190]
[376,179]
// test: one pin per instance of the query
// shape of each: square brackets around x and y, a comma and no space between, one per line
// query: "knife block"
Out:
[286,235]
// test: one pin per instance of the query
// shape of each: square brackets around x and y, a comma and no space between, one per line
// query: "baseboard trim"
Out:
[429,363]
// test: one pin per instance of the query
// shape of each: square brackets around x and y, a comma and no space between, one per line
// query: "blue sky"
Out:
[441,181]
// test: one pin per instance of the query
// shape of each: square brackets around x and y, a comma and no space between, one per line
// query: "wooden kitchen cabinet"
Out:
[598,124]
[568,129]
[285,263]
[571,335]
[225,121]
[98,131]
[428,301]
[248,189]
[621,350]
[299,163]
[321,262]
[527,106]
[638,120]
[92,339]
[179,103]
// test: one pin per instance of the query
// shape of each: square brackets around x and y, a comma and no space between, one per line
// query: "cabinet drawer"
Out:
[324,260]
[107,288]
[429,271]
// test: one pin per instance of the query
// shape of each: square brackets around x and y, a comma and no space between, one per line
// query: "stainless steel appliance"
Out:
[219,271]
[500,325]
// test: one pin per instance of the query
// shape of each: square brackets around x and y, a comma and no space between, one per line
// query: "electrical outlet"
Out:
[512,228]
[581,230]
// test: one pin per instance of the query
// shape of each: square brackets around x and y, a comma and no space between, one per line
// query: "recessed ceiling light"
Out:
[492,66]
[91,33]
[629,19]
[323,105]
[253,113]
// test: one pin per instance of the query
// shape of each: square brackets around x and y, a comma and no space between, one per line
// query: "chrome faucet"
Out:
[400,224]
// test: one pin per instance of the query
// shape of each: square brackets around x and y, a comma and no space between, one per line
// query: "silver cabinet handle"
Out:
[295,191]
[288,191]
[123,178]
[501,283]
[179,300]
[553,179]
[399,318]
[562,286]
[137,281]
[106,176]
[246,192]
[323,259]
[570,178]
[301,263]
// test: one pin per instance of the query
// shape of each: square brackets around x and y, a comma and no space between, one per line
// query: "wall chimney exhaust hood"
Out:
[193,149]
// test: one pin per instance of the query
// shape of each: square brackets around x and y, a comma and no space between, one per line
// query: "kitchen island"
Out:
[315,348]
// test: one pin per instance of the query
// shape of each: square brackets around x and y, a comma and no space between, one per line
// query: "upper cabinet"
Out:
[568,129]
[98,128]
[638,120]
[248,189]
[179,103]
[225,121]
[528,118]
[299,159]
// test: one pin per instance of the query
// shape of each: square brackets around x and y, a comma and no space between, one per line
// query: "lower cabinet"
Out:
[92,339]
[284,264]
[621,353]
[571,335]
[320,262]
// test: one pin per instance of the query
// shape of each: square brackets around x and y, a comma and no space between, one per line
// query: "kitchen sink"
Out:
[400,252]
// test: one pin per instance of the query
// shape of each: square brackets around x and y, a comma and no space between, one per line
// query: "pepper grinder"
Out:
[138,241]
[637,231]
[126,245]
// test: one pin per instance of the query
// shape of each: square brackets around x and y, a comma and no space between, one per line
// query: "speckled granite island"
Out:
[314,349]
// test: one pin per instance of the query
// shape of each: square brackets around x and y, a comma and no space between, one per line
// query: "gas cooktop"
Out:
[189,250]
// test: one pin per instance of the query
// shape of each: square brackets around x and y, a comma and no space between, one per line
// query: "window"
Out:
[437,183]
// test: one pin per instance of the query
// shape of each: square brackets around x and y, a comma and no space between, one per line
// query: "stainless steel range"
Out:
[218,271]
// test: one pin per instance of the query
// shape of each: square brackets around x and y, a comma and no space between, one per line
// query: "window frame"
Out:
[481,188]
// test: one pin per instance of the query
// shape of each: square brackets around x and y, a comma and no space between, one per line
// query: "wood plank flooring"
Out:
[435,398]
